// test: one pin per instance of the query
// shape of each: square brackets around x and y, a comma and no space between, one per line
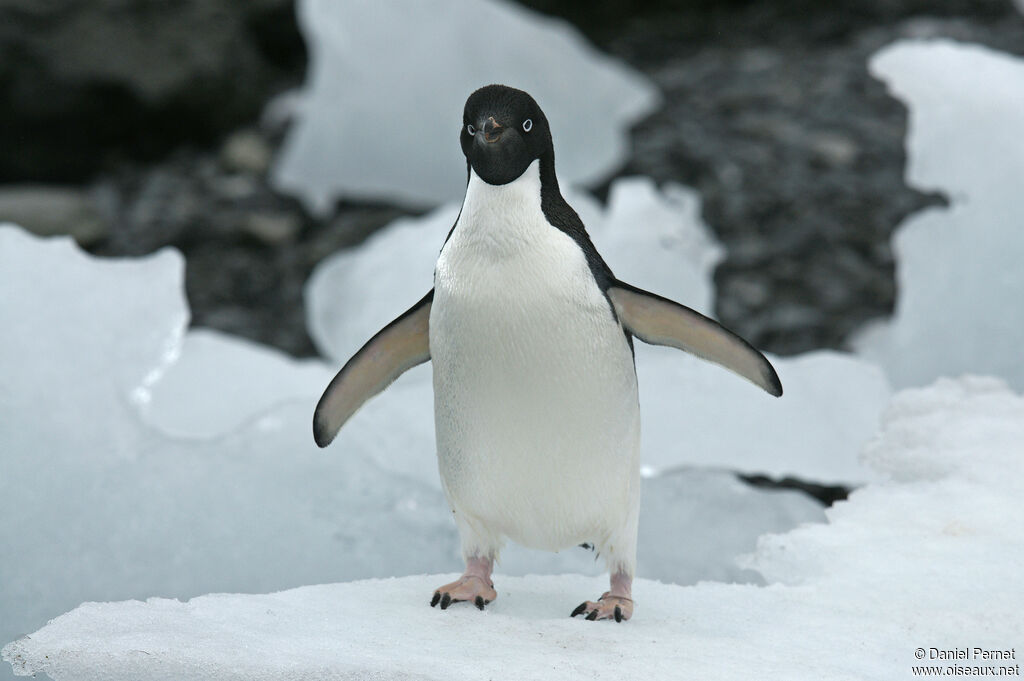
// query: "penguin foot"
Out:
[466,588]
[608,607]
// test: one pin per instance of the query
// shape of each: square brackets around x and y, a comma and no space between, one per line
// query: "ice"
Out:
[927,559]
[240,381]
[696,523]
[696,413]
[658,238]
[693,412]
[380,113]
[109,489]
[354,293]
[959,280]
[139,459]
[694,526]
[78,335]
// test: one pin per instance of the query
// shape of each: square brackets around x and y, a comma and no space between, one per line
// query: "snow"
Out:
[380,112]
[692,410]
[927,558]
[959,279]
[151,461]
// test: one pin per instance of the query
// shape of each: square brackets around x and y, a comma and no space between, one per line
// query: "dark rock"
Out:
[248,251]
[49,210]
[84,83]
[273,229]
[246,151]
[797,152]
[826,494]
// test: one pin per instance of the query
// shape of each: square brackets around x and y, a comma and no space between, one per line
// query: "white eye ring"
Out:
[527,125]
[470,129]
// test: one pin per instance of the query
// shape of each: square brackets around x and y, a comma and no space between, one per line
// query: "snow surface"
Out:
[693,412]
[959,279]
[139,459]
[928,558]
[381,110]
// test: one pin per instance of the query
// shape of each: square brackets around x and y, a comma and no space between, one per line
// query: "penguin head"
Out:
[503,132]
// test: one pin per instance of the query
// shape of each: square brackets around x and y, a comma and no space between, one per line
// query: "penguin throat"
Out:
[522,191]
[503,219]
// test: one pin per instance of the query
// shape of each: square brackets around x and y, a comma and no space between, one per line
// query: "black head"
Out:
[503,132]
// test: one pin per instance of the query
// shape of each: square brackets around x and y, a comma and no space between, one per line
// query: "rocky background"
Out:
[135,124]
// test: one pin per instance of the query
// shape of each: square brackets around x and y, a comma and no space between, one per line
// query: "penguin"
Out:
[530,335]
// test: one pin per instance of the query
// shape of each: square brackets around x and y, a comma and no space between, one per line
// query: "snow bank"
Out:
[138,459]
[693,412]
[380,114]
[960,284]
[928,559]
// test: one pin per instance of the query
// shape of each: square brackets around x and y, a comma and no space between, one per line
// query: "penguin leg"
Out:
[614,604]
[620,555]
[474,585]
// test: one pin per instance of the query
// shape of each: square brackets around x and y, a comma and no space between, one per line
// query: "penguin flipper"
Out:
[660,321]
[398,347]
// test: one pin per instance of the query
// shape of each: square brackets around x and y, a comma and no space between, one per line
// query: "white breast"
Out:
[534,387]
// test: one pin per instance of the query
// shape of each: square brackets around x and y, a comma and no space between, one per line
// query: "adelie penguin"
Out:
[531,338]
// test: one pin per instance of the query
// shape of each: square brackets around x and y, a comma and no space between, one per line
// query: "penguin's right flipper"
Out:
[661,321]
[398,347]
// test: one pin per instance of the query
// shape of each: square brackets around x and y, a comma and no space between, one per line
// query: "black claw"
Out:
[579,608]
[592,616]
[435,599]
[446,600]
[618,614]
[479,602]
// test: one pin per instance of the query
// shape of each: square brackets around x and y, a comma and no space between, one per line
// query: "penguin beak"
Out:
[491,130]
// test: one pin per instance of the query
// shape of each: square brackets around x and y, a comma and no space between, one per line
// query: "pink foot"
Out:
[475,585]
[616,604]
[607,607]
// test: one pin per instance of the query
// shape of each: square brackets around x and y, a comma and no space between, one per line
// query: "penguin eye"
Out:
[527,125]
[470,129]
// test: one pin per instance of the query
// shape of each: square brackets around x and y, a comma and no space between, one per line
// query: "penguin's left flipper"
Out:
[660,321]
[398,347]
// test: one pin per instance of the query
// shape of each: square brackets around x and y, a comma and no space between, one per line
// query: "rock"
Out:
[272,228]
[833,149]
[53,210]
[86,82]
[245,151]
[234,187]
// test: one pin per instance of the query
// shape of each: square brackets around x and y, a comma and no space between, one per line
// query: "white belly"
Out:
[535,392]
